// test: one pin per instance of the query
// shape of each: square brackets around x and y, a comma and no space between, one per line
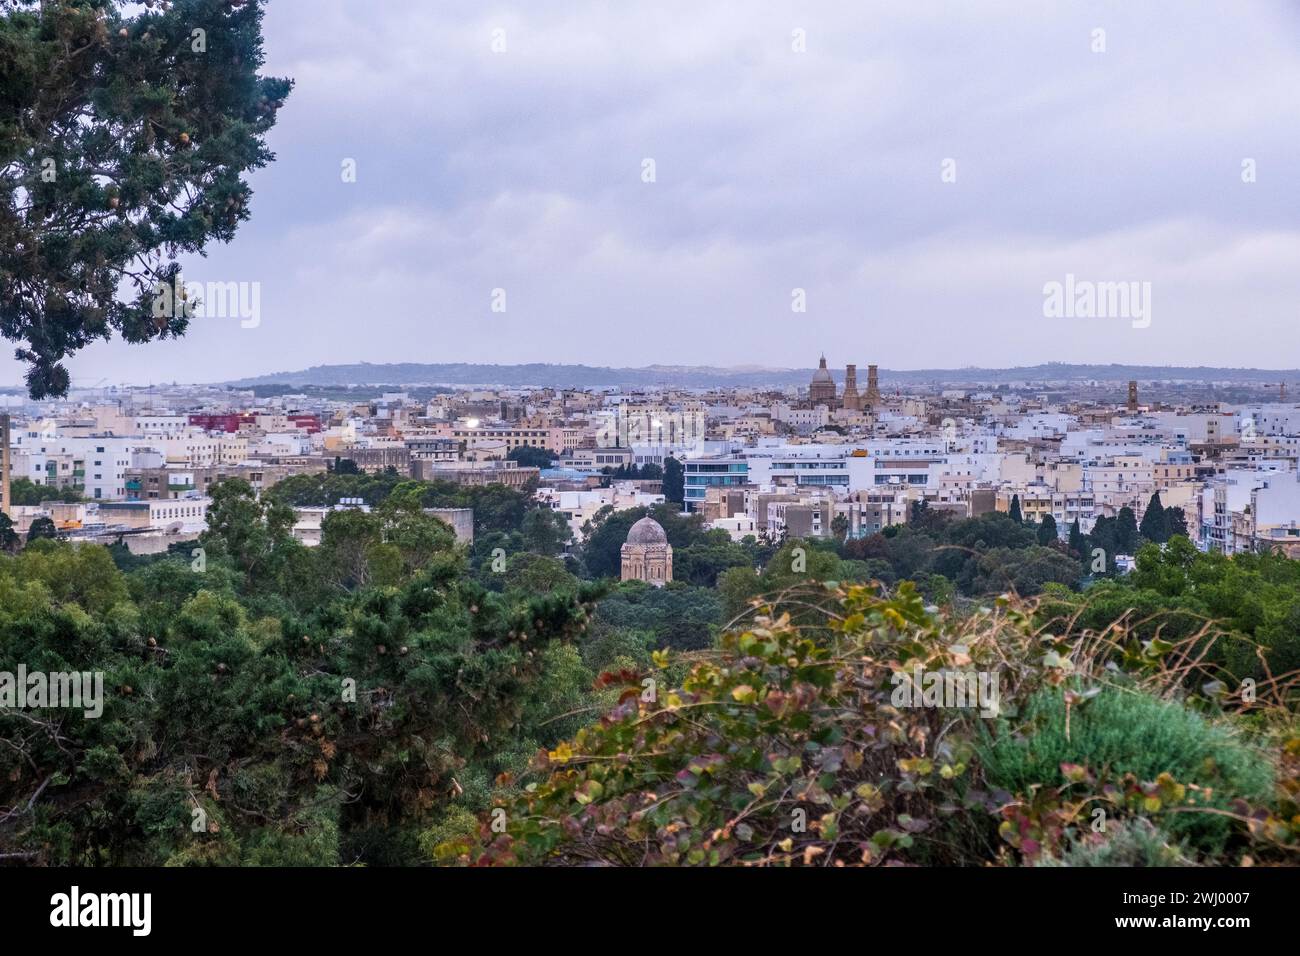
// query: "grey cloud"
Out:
[775,170]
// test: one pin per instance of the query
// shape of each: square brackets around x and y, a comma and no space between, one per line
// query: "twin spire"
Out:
[822,390]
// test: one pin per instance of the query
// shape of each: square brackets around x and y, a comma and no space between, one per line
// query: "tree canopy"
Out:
[530,456]
[125,138]
[273,704]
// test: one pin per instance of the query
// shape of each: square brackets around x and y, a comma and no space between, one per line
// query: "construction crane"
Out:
[78,383]
[1281,390]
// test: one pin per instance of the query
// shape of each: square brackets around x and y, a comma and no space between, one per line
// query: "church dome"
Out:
[647,531]
[822,376]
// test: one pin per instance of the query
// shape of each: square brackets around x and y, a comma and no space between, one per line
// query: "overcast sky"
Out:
[774,170]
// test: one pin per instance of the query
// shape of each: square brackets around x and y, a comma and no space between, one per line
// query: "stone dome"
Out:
[647,531]
[822,375]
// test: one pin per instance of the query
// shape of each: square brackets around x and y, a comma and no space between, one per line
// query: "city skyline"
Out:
[581,376]
[920,175]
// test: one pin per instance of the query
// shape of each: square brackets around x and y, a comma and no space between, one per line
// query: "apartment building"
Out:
[1250,511]
[700,475]
[871,512]
[475,473]
[843,466]
[632,421]
[182,515]
[1038,501]
[1115,483]
[195,448]
[159,426]
[738,527]
[378,457]
[809,518]
[579,507]
[429,448]
[471,434]
[597,459]
[722,502]
[161,483]
[94,465]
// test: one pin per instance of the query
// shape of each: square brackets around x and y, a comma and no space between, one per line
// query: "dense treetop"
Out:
[124,144]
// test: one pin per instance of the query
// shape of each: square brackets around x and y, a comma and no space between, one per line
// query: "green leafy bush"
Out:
[1122,731]
[786,745]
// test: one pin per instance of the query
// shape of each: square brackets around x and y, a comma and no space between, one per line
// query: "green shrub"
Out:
[457,825]
[1122,731]
[1135,842]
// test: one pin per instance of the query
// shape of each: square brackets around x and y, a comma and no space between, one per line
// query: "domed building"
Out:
[821,391]
[647,555]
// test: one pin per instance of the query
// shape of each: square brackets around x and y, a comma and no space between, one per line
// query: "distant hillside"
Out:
[703,376]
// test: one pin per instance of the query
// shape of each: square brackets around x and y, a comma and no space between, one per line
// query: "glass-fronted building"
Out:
[702,474]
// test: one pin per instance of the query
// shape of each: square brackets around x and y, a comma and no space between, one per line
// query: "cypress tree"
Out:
[1126,531]
[1176,522]
[674,487]
[1047,530]
[1155,523]
[1077,542]
[1105,535]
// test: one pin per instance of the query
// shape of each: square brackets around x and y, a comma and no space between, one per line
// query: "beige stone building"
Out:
[647,555]
[821,391]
